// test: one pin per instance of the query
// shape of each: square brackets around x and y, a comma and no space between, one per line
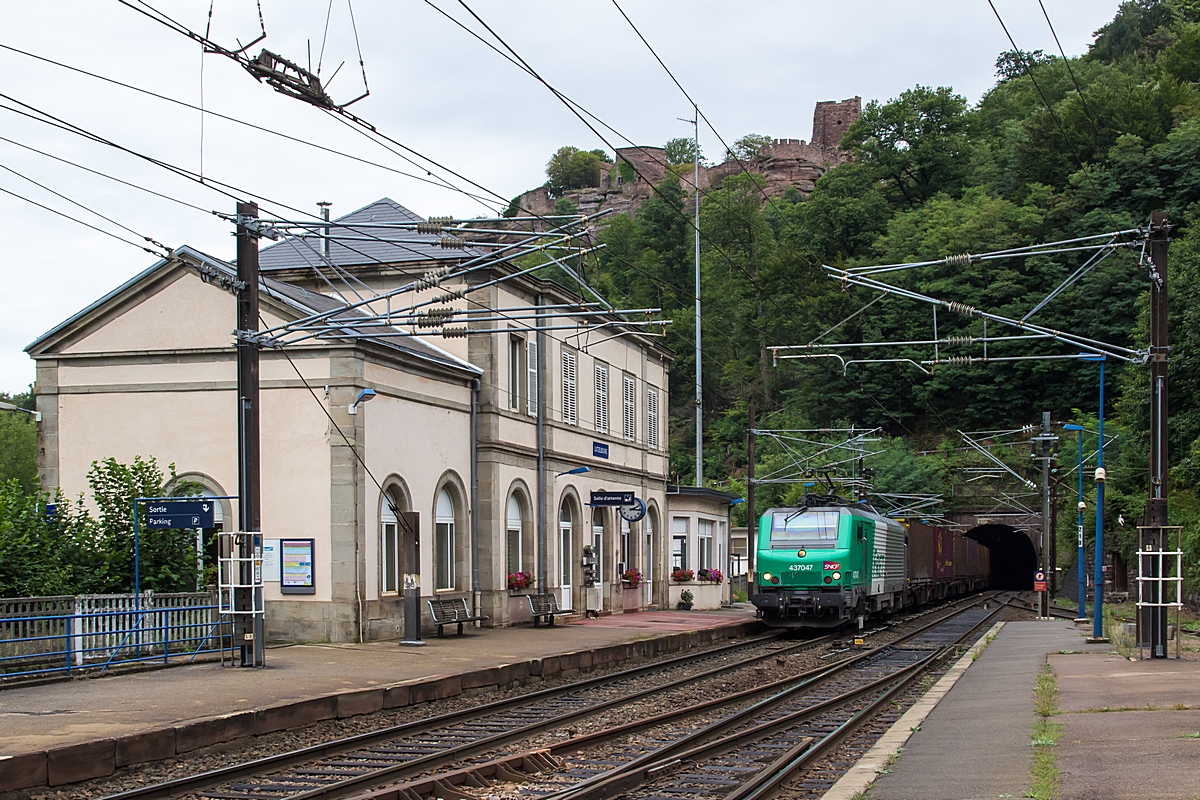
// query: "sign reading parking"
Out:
[612,498]
[176,514]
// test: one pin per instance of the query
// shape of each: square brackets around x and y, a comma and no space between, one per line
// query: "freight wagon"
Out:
[829,563]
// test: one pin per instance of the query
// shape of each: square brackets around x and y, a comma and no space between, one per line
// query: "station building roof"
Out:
[357,246]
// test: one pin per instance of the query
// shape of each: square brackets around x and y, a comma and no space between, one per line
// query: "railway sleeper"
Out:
[454,785]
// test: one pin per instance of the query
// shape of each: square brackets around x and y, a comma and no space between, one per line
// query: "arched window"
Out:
[565,556]
[514,534]
[598,542]
[389,528]
[444,540]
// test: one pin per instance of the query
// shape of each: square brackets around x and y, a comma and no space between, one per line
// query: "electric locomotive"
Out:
[827,563]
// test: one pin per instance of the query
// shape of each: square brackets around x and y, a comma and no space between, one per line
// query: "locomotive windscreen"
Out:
[812,530]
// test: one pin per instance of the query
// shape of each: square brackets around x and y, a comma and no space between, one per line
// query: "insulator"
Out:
[959,360]
[958,340]
[448,296]
[962,308]
[959,260]
[443,221]
[435,317]
[454,333]
[432,278]
[452,242]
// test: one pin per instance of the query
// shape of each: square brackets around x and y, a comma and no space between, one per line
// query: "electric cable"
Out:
[85,224]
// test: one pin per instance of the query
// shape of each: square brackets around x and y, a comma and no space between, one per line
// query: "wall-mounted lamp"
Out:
[576,471]
[37,415]
[363,396]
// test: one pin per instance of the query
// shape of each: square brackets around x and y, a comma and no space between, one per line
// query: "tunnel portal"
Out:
[1013,556]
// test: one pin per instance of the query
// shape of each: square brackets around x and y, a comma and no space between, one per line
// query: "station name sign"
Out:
[612,499]
[176,514]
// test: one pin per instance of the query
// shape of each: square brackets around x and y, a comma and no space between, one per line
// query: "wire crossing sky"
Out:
[758,68]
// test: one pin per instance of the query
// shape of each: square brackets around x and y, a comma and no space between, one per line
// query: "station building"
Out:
[451,434]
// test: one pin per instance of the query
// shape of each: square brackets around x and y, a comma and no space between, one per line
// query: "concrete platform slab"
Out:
[1130,729]
[975,743]
[201,704]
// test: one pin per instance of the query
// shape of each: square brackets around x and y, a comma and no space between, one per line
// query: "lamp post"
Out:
[1079,561]
[1098,579]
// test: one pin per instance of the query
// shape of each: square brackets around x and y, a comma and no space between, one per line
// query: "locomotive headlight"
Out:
[828,579]
[837,576]
[775,579]
[767,577]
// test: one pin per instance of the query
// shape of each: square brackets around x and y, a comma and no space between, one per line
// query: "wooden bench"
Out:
[545,606]
[452,612]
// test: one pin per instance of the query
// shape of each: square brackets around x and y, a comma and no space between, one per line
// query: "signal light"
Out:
[837,576]
[828,579]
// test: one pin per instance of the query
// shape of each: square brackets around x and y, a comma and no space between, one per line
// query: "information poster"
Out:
[270,561]
[296,566]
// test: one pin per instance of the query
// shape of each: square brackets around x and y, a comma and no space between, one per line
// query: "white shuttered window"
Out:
[570,395]
[531,360]
[601,398]
[652,418]
[630,417]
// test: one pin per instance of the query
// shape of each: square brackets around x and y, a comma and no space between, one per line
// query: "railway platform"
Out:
[67,731]
[1129,729]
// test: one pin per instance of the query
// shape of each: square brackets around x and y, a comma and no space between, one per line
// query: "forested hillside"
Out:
[1056,149]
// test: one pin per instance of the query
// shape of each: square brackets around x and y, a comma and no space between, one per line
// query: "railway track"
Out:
[482,745]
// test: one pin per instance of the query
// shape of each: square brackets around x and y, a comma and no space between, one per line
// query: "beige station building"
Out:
[451,433]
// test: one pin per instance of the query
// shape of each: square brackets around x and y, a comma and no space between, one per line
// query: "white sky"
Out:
[752,66]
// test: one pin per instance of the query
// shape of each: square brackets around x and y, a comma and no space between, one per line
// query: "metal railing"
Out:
[47,635]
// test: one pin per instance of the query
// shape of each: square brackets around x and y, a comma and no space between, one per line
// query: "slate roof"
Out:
[301,300]
[365,247]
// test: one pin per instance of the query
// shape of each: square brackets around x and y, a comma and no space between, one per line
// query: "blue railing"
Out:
[40,636]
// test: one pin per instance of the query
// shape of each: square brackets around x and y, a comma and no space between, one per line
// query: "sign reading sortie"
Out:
[178,514]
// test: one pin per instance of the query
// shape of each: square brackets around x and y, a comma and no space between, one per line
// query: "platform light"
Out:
[363,396]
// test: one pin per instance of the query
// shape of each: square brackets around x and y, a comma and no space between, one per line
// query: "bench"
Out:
[545,606]
[451,612]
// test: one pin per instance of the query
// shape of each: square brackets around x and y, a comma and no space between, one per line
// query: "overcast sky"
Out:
[752,66]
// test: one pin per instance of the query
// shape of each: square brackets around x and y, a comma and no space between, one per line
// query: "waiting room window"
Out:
[679,537]
[704,544]
[389,531]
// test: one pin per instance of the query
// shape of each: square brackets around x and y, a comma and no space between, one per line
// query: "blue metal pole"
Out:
[1098,588]
[1081,560]
[137,580]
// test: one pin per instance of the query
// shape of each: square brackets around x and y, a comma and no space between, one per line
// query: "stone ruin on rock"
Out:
[785,163]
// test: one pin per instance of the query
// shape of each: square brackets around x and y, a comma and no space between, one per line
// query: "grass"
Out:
[1122,641]
[1195,735]
[1044,773]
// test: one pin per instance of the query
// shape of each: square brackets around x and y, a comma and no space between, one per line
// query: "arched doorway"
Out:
[1012,556]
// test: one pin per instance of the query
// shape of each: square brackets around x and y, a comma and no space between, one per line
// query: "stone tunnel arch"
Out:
[1013,556]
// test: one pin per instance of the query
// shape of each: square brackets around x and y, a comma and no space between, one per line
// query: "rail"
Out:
[69,635]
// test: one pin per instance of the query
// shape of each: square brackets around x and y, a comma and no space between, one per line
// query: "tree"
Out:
[18,442]
[572,168]
[682,151]
[917,143]
[747,147]
[1015,63]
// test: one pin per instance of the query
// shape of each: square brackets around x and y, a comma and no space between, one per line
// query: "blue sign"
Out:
[176,514]
[599,450]
[603,498]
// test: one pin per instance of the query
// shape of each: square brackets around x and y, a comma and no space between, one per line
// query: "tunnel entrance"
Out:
[1013,557]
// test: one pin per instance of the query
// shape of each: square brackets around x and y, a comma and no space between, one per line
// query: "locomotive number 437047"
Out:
[800,567]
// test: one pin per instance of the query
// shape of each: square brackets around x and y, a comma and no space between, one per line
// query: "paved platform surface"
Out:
[52,715]
[975,743]
[1130,729]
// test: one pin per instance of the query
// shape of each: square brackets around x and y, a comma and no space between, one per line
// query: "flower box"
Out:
[706,595]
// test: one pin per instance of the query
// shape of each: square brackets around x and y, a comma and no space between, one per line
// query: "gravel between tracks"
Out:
[271,744]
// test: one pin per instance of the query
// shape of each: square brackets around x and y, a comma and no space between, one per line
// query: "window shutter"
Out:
[569,393]
[630,409]
[601,399]
[652,419]
[531,360]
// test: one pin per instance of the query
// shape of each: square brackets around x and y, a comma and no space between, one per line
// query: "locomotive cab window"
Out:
[811,530]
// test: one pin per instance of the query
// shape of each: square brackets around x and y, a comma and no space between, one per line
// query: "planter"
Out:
[705,595]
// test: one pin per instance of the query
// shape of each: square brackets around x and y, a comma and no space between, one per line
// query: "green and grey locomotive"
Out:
[829,563]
